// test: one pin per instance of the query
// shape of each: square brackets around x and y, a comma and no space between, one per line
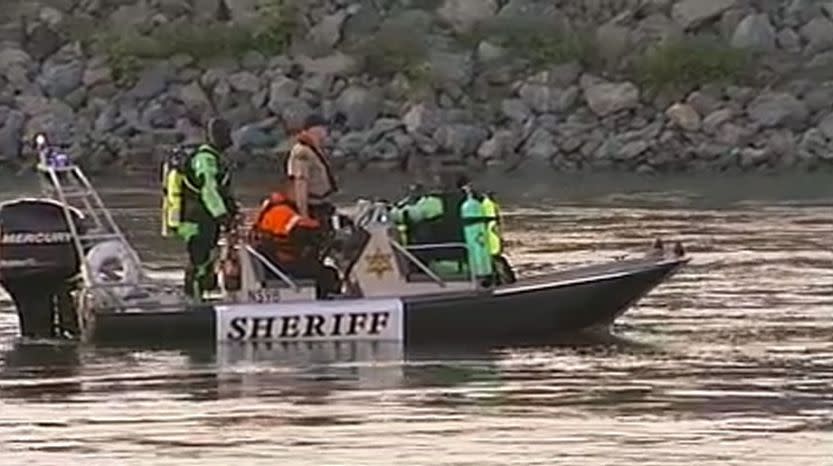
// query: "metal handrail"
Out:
[407,252]
[272,267]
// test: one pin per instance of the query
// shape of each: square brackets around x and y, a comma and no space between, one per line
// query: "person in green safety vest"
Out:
[401,215]
[207,206]
[450,213]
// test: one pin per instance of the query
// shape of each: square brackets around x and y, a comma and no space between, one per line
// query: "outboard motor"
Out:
[38,264]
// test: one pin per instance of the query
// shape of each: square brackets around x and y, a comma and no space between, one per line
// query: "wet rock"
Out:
[818,33]
[464,15]
[606,98]
[755,32]
[691,13]
[774,109]
[61,79]
[360,106]
[684,116]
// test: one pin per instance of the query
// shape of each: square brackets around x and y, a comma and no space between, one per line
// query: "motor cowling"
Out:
[37,261]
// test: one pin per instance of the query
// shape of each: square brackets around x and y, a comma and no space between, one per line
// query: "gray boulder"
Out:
[11,57]
[703,103]
[53,118]
[294,112]
[714,120]
[59,80]
[360,106]
[459,139]
[451,68]
[464,15]
[152,82]
[605,98]
[195,101]
[422,119]
[499,146]
[281,92]
[244,81]
[788,40]
[684,116]
[777,109]
[516,110]
[11,133]
[353,143]
[488,52]
[253,136]
[752,157]
[818,33]
[826,126]
[754,32]
[327,33]
[691,13]
[540,145]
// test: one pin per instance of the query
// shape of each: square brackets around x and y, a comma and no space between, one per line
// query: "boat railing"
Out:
[272,267]
[407,252]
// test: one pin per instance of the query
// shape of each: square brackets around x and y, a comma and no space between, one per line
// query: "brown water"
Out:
[729,363]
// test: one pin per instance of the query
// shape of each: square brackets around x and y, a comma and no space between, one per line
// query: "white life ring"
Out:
[111,264]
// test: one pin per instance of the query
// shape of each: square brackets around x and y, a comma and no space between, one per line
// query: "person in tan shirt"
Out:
[308,168]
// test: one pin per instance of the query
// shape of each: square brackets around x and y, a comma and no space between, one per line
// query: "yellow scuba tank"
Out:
[493,235]
[172,179]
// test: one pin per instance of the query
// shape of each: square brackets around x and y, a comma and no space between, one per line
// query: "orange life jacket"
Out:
[276,226]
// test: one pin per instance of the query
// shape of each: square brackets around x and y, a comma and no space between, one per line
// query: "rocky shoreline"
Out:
[409,83]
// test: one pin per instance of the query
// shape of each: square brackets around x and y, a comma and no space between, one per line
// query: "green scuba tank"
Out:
[475,235]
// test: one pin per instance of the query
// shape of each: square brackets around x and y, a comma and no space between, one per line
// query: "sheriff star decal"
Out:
[379,263]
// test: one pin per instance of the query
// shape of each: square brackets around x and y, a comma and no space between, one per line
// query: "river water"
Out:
[728,363]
